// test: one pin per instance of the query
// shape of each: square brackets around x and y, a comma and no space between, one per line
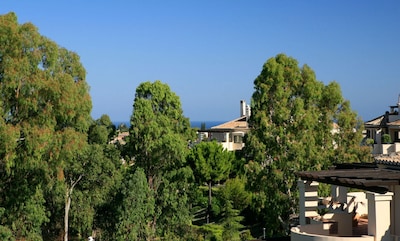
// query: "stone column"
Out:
[379,215]
[396,211]
[308,200]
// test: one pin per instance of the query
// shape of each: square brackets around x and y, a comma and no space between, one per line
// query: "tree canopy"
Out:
[211,163]
[297,123]
[159,132]
[45,116]
[61,176]
[159,138]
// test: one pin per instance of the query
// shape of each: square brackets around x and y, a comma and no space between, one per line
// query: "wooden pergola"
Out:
[367,177]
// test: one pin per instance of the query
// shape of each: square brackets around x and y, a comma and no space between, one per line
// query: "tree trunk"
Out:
[67,207]
[68,201]
[209,202]
[152,187]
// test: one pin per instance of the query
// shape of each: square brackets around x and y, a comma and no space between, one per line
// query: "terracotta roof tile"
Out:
[391,160]
[375,122]
[240,122]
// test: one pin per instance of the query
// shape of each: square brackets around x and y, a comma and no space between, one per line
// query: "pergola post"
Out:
[379,215]
[339,194]
[308,200]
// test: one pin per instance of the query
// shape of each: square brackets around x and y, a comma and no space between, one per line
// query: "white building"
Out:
[389,125]
[230,134]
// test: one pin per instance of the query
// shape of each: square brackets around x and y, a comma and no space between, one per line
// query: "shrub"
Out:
[386,139]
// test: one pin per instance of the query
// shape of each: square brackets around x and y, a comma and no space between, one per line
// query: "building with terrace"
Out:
[371,214]
[383,132]
[230,134]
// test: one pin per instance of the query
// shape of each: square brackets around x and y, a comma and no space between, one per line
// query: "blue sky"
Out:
[209,52]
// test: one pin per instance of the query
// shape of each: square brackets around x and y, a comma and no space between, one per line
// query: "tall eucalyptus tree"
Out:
[297,123]
[44,118]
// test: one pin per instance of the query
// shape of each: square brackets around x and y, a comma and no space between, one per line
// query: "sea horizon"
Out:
[193,124]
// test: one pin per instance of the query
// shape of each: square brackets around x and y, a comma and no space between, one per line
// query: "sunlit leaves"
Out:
[293,120]
[210,161]
[45,114]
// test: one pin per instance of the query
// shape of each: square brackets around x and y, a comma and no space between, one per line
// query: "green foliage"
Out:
[234,192]
[172,203]
[210,162]
[102,130]
[349,137]
[370,141]
[159,132]
[231,223]
[59,172]
[45,116]
[98,134]
[102,173]
[158,143]
[137,208]
[386,139]
[6,234]
[322,211]
[230,199]
[35,214]
[324,190]
[238,164]
[212,232]
[293,121]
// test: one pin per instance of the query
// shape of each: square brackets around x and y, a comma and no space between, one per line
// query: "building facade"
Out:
[383,132]
[230,134]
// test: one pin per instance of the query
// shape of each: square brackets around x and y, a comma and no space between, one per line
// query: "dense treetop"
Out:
[297,123]
[44,118]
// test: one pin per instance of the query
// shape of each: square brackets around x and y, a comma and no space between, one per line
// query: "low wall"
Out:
[299,234]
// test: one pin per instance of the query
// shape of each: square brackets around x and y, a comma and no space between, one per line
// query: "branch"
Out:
[73,183]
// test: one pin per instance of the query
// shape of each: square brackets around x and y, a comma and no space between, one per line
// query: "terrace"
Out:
[367,215]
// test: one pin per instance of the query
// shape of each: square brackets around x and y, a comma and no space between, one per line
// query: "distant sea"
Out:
[193,124]
[209,124]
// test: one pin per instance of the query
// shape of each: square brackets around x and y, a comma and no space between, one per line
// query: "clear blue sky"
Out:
[210,51]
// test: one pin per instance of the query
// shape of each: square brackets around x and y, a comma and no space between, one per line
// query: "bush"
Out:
[386,139]
[370,141]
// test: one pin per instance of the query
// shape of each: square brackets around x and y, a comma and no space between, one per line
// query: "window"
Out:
[237,139]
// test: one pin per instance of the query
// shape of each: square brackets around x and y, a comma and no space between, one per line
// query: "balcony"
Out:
[339,225]
[386,149]
[316,232]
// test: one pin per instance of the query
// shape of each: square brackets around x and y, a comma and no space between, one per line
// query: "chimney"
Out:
[398,105]
[242,108]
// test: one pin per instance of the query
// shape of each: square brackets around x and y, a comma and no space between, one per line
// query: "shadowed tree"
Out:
[101,175]
[102,130]
[211,163]
[137,208]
